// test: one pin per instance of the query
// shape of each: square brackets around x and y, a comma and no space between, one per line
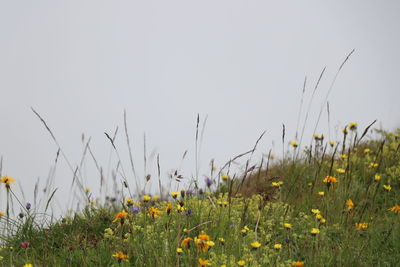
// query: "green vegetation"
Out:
[331,204]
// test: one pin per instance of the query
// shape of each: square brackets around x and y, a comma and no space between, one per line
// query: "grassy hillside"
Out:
[331,204]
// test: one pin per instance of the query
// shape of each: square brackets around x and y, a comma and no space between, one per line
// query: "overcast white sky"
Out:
[242,63]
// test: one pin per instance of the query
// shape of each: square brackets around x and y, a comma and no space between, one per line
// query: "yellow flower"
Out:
[121,216]
[277,184]
[221,240]
[154,212]
[2,214]
[28,265]
[321,194]
[204,262]
[7,181]
[377,177]
[387,187]
[245,229]
[210,243]
[318,216]
[168,208]
[343,156]
[373,165]
[204,237]
[315,211]
[363,225]
[186,242]
[395,209]
[352,126]
[175,194]
[331,143]
[344,130]
[314,231]
[255,245]
[156,197]
[330,179]
[367,150]
[203,242]
[201,245]
[340,170]
[309,184]
[179,250]
[180,208]
[293,144]
[87,189]
[224,177]
[287,225]
[349,204]
[121,256]
[146,198]
[277,246]
[241,263]
[129,202]
[322,220]
[298,263]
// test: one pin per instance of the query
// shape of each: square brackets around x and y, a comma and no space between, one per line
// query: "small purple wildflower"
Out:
[189,213]
[208,181]
[189,192]
[28,206]
[135,210]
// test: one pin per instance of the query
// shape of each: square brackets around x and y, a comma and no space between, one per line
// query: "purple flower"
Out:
[189,192]
[28,206]
[135,210]
[189,213]
[208,181]
[25,244]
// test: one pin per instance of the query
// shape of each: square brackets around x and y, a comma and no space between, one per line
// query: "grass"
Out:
[331,204]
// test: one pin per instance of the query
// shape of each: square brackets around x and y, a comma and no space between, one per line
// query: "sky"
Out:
[240,65]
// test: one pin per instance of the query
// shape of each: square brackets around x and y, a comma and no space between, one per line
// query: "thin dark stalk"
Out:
[196,152]
[365,132]
[301,107]
[55,140]
[120,163]
[329,120]
[159,174]
[331,87]
[309,107]
[130,152]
